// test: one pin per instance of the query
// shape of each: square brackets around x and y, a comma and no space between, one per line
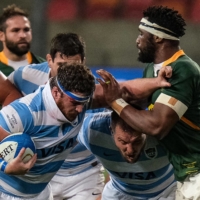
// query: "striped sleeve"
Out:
[15,118]
[83,134]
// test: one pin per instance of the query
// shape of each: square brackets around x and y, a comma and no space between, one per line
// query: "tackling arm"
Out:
[157,122]
[137,89]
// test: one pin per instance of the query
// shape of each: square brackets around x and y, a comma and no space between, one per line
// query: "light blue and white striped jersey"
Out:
[38,115]
[27,79]
[146,178]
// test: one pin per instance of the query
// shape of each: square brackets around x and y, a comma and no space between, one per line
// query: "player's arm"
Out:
[139,89]
[144,87]
[157,122]
[8,92]
[13,121]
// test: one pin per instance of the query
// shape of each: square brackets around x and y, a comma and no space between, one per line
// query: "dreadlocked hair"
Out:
[167,18]
[75,78]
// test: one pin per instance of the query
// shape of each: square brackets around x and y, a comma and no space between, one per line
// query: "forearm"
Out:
[141,88]
[8,92]
[157,122]
[137,89]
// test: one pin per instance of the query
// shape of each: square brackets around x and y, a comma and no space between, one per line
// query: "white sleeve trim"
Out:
[173,103]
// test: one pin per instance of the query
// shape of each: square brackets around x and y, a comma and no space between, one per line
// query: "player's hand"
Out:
[18,167]
[111,87]
[164,74]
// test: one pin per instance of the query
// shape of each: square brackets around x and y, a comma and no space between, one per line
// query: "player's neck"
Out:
[12,56]
[164,54]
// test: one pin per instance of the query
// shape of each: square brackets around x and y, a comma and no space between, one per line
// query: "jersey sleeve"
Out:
[16,117]
[16,76]
[11,77]
[94,124]
[184,81]
[28,78]
[184,90]
[84,132]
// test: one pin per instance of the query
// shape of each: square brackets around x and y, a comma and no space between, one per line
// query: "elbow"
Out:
[158,130]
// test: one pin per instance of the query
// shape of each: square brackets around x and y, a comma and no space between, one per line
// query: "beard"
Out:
[147,54]
[70,115]
[14,48]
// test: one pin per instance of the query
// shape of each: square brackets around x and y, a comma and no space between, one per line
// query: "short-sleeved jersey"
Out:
[7,69]
[54,136]
[148,177]
[27,79]
[183,140]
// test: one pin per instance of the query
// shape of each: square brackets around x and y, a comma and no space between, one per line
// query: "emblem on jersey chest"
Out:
[151,152]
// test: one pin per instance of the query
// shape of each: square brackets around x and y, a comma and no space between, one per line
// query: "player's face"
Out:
[17,36]
[129,144]
[69,106]
[53,64]
[146,47]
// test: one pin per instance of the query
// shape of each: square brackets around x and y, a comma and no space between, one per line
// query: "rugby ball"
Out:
[12,144]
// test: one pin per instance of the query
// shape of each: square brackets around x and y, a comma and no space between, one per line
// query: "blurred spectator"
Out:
[134,8]
[61,10]
[195,11]
[102,9]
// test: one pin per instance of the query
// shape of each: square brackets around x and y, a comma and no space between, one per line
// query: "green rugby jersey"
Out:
[183,141]
[7,70]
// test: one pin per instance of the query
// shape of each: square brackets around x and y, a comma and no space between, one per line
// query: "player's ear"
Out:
[2,36]
[48,58]
[56,93]
[158,39]
[84,60]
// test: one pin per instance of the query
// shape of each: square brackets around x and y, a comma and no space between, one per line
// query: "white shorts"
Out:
[83,186]
[111,193]
[189,189]
[46,194]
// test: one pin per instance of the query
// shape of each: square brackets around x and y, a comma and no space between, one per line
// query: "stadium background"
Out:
[109,28]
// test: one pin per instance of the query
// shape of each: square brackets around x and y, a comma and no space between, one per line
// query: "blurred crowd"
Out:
[117,9]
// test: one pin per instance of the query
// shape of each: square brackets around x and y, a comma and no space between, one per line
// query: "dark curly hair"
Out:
[11,11]
[68,44]
[74,78]
[167,18]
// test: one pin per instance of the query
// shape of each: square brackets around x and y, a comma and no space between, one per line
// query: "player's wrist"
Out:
[118,105]
[3,165]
